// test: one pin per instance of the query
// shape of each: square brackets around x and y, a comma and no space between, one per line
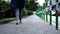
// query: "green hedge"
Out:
[25,12]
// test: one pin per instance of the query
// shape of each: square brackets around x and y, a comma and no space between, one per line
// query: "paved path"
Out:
[30,25]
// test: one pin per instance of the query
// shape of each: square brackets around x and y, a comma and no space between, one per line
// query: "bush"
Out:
[7,14]
[25,12]
[30,12]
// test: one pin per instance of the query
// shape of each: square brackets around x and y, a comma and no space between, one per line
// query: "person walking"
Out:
[18,5]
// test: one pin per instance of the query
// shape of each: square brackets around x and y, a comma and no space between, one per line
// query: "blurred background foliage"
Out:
[7,12]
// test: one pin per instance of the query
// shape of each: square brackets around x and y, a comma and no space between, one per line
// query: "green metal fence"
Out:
[45,16]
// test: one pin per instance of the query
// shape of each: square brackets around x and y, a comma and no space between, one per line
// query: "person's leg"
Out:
[20,16]
[17,15]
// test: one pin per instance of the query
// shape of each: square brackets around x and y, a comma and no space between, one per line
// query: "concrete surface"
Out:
[30,25]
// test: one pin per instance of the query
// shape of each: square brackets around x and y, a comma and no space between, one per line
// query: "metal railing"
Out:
[49,18]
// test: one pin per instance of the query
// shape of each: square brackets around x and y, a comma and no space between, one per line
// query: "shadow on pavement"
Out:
[5,22]
[26,16]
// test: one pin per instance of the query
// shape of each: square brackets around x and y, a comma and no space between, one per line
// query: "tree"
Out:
[3,5]
[31,5]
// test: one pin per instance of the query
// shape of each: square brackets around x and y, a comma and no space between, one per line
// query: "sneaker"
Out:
[17,22]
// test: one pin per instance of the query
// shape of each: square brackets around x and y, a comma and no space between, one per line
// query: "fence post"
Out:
[57,15]
[50,17]
[57,19]
[46,16]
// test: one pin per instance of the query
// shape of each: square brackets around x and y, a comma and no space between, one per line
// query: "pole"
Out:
[57,16]
[56,19]
[46,16]
[50,17]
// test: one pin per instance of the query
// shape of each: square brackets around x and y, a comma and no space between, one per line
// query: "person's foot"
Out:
[20,22]
[17,22]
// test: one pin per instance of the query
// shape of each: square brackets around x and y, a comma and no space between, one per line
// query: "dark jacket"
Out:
[17,3]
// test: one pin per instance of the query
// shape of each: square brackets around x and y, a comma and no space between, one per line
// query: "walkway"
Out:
[30,25]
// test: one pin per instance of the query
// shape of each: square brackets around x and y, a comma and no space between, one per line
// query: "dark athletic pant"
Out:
[20,14]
